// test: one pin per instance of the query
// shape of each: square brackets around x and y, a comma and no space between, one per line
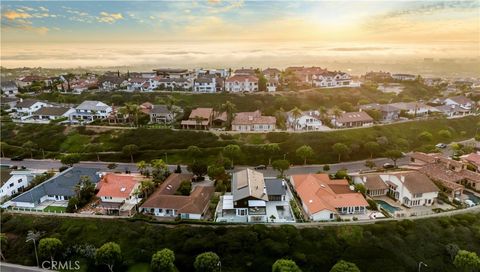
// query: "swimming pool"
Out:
[391,209]
[475,199]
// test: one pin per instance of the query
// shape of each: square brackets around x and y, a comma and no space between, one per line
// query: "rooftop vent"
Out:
[123,189]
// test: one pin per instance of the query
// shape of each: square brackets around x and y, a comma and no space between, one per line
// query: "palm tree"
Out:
[296,113]
[142,166]
[146,186]
[229,108]
[34,236]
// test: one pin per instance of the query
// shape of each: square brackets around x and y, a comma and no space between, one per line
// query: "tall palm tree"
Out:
[135,111]
[229,108]
[34,236]
[146,186]
[296,113]
[142,166]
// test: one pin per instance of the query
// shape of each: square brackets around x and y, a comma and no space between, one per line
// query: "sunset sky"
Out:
[94,33]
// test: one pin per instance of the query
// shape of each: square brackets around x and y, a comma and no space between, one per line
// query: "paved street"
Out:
[8,267]
[300,169]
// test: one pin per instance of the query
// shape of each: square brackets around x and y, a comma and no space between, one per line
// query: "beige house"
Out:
[253,121]
[200,118]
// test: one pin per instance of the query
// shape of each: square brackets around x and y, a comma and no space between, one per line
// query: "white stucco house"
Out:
[14,181]
[89,111]
[309,120]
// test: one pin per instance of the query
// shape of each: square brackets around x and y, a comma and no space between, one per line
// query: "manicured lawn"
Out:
[54,209]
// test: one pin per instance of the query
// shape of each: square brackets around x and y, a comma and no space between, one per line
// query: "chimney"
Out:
[402,178]
[364,179]
[250,118]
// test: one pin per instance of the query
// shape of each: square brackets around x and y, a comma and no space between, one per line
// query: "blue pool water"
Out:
[388,207]
[475,199]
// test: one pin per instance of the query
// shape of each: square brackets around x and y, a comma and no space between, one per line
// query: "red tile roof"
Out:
[118,185]
[318,192]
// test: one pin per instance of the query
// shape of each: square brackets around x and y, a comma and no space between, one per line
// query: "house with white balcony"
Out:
[410,188]
[118,193]
[254,198]
[329,79]
[89,111]
[308,120]
[205,84]
[241,83]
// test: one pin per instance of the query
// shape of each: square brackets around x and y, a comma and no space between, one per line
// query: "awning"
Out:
[256,203]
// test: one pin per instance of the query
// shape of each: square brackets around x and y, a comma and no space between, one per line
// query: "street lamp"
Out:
[420,264]
[166,158]
[219,264]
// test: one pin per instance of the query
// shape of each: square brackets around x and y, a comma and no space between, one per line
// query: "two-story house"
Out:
[118,193]
[15,181]
[26,107]
[308,120]
[89,111]
[255,198]
[205,84]
[241,83]
[160,114]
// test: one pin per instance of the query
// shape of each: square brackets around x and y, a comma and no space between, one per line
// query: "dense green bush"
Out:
[384,246]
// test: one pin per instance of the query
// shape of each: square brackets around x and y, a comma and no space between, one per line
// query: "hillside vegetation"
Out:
[154,143]
[388,246]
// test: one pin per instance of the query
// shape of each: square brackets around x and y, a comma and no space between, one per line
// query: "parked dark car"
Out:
[388,165]
[260,167]
[17,158]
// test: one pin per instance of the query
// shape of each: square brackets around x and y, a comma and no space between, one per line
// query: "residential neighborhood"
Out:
[240,136]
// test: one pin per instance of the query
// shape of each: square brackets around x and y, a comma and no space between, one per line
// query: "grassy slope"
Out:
[153,143]
[380,247]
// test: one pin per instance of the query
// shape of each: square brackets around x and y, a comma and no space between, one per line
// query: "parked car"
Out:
[388,165]
[260,167]
[17,158]
[441,145]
